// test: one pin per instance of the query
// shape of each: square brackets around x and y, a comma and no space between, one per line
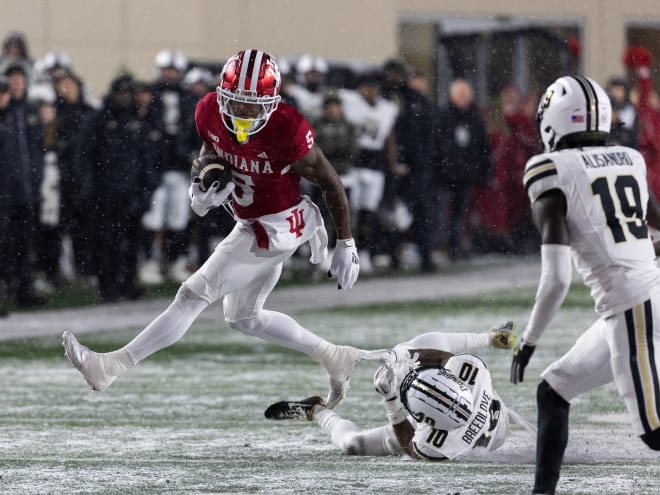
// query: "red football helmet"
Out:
[248,92]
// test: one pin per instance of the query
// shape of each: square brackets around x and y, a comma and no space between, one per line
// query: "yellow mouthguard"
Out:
[242,127]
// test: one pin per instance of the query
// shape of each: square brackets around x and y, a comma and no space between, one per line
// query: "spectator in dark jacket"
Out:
[113,155]
[462,160]
[5,170]
[72,115]
[24,180]
[414,139]
[625,127]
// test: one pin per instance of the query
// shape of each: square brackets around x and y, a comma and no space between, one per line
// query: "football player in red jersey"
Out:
[270,147]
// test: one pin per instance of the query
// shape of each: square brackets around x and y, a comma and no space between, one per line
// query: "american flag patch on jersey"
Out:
[577,118]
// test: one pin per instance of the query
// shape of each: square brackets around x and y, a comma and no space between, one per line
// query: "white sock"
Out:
[116,362]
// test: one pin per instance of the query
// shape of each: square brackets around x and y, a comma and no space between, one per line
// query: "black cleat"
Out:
[301,409]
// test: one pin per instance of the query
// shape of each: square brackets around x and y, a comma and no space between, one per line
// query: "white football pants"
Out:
[353,440]
[624,348]
[244,275]
[170,204]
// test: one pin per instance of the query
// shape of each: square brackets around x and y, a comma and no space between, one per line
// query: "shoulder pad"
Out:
[540,175]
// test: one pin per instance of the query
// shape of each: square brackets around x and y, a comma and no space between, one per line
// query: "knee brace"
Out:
[652,439]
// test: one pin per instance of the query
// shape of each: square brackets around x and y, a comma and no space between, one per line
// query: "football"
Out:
[210,169]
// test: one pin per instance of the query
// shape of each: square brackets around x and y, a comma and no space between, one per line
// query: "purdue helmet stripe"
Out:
[592,102]
[643,368]
[441,397]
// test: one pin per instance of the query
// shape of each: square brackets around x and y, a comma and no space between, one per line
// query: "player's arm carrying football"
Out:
[315,167]
[209,190]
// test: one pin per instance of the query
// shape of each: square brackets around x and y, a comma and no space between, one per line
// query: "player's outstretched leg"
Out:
[98,369]
[301,409]
[339,361]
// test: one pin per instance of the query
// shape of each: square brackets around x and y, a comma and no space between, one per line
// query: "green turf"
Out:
[190,418]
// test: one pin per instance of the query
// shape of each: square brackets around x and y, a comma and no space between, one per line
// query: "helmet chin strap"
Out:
[242,127]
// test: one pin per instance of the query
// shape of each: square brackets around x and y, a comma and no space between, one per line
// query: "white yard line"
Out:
[126,315]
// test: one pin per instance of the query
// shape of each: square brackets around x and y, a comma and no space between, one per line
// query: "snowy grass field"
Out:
[190,419]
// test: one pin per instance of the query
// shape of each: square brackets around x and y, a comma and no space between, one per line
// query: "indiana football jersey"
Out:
[607,196]
[487,426]
[265,183]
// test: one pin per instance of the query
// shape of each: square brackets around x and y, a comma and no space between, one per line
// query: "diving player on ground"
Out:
[445,408]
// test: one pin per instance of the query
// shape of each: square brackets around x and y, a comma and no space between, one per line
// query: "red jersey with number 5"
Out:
[265,182]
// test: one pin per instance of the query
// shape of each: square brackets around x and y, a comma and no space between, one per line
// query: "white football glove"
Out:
[385,382]
[201,202]
[345,264]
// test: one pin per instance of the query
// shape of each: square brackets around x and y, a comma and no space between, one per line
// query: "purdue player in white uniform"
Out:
[591,202]
[481,424]
[374,118]
[446,407]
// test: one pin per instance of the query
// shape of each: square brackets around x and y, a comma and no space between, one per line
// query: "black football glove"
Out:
[521,355]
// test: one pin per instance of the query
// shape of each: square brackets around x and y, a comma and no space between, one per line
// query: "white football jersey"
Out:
[310,104]
[373,122]
[486,428]
[607,197]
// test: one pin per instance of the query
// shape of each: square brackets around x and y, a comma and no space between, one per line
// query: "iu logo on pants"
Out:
[296,222]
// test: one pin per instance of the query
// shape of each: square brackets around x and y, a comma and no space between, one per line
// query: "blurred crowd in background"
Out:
[94,191]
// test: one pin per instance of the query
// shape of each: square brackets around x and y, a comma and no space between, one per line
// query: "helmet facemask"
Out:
[241,125]
[248,92]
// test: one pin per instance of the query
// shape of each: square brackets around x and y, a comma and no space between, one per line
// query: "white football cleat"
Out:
[99,370]
[339,361]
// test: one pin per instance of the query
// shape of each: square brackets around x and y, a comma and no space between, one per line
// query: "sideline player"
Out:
[446,407]
[591,201]
[271,147]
